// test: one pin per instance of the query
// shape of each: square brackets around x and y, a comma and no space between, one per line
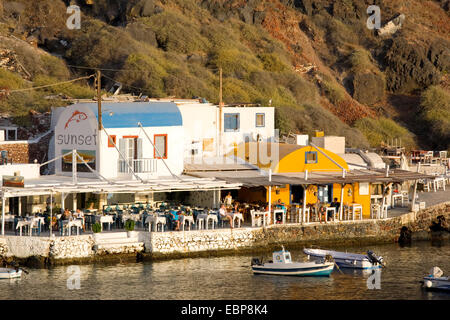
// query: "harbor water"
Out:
[230,277]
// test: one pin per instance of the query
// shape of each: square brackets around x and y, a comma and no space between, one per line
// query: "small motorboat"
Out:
[282,264]
[10,273]
[348,260]
[436,281]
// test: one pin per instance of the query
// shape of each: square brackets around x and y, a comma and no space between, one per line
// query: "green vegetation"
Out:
[334,92]
[360,61]
[96,227]
[177,47]
[383,130]
[309,118]
[129,225]
[435,104]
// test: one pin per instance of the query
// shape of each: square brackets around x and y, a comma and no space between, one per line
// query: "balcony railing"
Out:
[138,166]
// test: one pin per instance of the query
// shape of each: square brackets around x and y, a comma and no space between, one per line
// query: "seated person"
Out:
[334,204]
[79,215]
[65,216]
[175,215]
[224,215]
[280,206]
[322,212]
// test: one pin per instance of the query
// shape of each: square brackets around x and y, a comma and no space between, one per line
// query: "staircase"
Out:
[117,242]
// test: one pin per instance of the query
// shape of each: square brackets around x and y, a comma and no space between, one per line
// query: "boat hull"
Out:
[342,259]
[441,284]
[318,270]
[7,273]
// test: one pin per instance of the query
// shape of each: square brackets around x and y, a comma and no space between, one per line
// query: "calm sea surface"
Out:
[231,278]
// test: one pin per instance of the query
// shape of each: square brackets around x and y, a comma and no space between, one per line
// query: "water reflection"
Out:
[231,278]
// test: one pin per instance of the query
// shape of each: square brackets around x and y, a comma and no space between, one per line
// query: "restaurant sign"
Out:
[13,181]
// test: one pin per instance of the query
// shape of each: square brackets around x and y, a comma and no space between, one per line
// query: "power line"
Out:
[48,85]
[125,85]
[120,70]
[101,69]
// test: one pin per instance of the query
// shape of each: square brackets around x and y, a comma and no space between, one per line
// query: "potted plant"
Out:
[129,226]
[96,228]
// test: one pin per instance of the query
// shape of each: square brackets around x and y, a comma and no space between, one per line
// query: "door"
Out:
[297,194]
[131,149]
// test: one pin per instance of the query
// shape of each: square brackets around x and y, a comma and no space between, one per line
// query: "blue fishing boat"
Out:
[348,260]
[282,264]
[436,281]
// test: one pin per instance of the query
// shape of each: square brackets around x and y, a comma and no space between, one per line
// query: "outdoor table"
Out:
[333,209]
[201,220]
[184,219]
[68,224]
[239,217]
[214,220]
[375,211]
[105,219]
[304,215]
[260,214]
[283,214]
[439,181]
[24,223]
[398,196]
[354,207]
[257,217]
[155,220]
[40,222]
[9,218]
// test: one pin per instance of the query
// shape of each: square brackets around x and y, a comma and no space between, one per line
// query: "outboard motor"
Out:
[374,258]
[255,261]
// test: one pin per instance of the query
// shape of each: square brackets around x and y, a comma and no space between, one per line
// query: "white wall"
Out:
[110,156]
[107,157]
[28,171]
[201,121]
[247,125]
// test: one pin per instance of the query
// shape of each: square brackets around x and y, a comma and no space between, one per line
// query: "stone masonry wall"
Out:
[18,152]
[375,231]
[188,243]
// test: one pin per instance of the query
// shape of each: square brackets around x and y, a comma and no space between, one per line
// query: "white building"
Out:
[181,131]
[123,148]
[238,124]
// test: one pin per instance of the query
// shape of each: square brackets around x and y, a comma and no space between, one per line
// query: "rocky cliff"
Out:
[315,60]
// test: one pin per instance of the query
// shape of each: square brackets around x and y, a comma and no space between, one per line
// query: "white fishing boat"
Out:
[348,260]
[282,264]
[10,273]
[436,281]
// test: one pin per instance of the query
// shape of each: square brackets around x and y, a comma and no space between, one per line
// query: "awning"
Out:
[64,184]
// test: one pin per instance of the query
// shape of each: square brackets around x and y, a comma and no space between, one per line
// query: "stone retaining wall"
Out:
[191,243]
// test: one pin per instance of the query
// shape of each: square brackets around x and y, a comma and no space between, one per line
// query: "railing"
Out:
[138,166]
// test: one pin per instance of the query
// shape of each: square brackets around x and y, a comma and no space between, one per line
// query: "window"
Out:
[11,135]
[113,142]
[376,190]
[325,193]
[260,120]
[161,145]
[311,157]
[231,121]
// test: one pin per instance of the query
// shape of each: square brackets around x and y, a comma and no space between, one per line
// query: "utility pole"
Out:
[220,111]
[98,82]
